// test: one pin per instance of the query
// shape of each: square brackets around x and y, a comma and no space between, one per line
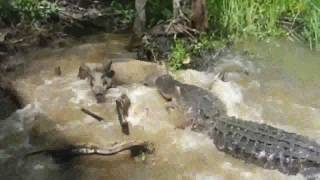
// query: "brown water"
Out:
[280,88]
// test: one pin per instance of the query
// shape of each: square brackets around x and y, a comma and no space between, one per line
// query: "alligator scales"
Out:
[261,144]
[265,146]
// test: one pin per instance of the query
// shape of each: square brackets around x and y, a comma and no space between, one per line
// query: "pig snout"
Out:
[99,92]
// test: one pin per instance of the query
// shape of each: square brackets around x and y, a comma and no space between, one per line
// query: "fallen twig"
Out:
[95,116]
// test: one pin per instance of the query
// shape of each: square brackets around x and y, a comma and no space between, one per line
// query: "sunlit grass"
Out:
[297,18]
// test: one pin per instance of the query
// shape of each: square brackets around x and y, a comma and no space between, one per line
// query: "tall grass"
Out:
[261,18]
[312,23]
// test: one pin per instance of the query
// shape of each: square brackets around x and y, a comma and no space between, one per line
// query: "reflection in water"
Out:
[255,89]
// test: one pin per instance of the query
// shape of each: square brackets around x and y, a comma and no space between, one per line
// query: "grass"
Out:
[263,18]
[183,49]
[229,19]
[179,54]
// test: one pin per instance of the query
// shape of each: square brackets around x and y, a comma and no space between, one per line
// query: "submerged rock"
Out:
[7,105]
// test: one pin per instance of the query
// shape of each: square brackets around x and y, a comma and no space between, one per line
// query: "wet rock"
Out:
[9,99]
[7,105]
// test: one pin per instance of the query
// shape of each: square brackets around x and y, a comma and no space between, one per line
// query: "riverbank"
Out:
[23,29]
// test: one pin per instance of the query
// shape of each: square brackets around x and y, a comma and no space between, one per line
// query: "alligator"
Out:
[253,142]
[100,77]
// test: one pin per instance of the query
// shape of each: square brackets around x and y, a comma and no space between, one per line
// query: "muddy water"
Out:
[277,86]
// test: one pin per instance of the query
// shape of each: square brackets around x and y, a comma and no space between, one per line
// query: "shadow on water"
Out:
[20,135]
[37,132]
[10,99]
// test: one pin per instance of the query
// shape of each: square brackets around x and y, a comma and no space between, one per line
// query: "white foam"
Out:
[247,175]
[203,176]
[138,92]
[262,154]
[192,141]
[201,79]
[147,109]
[229,93]
[227,166]
[48,82]
[88,119]
[82,93]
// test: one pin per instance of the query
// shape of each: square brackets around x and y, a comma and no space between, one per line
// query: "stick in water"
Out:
[95,116]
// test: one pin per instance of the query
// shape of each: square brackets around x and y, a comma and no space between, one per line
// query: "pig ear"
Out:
[107,69]
[84,71]
[107,66]
[110,74]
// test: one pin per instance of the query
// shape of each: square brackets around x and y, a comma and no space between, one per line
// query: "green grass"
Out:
[263,18]
[179,53]
[183,50]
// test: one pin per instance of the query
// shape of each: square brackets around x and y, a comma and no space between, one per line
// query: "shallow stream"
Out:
[273,82]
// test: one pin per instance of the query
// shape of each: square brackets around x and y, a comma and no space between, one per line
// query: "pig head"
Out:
[99,76]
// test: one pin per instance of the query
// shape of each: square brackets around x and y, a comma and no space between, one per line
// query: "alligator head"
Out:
[199,105]
[168,87]
[100,78]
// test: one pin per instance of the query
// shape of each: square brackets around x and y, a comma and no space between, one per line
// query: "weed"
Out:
[179,54]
